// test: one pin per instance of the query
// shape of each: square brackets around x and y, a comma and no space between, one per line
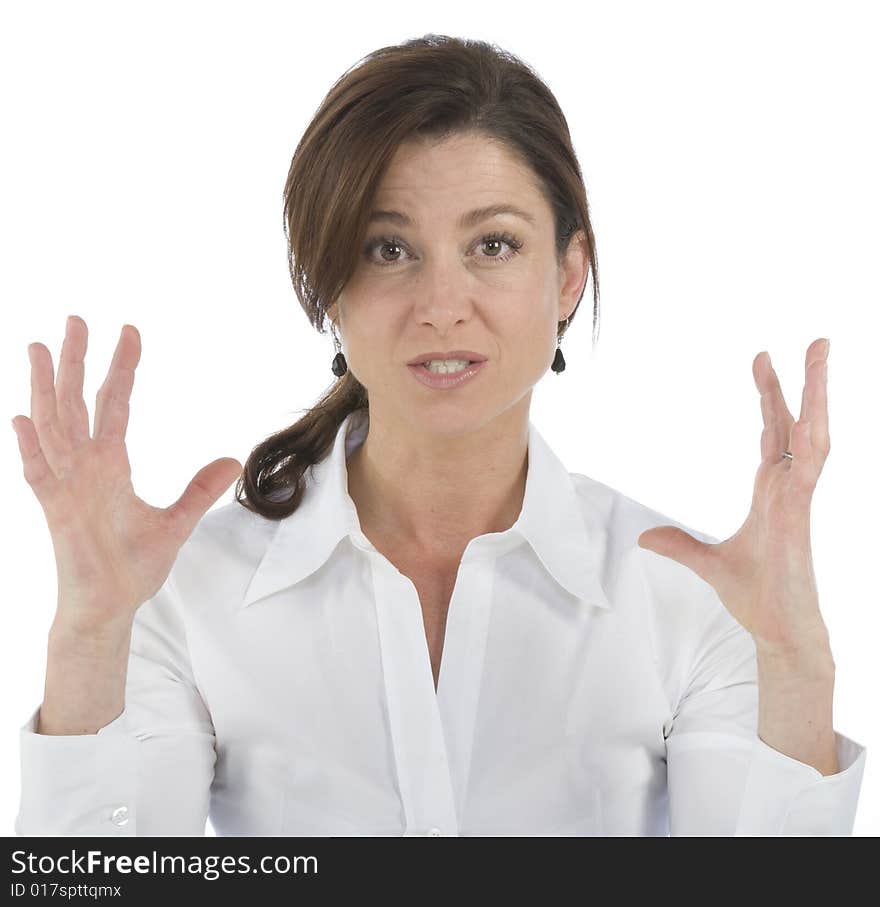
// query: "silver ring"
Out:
[788,454]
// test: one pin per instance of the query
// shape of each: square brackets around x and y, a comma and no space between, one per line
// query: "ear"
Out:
[574,269]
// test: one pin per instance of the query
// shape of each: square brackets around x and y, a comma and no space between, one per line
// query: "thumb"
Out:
[680,546]
[204,489]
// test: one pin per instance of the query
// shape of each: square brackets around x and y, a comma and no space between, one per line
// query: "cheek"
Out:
[537,312]
[527,333]
[370,339]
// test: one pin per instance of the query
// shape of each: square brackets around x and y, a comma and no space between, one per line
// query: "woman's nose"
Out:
[445,289]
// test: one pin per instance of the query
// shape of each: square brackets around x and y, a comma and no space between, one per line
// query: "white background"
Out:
[730,153]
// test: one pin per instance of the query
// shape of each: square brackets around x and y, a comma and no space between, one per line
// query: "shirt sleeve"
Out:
[147,772]
[723,779]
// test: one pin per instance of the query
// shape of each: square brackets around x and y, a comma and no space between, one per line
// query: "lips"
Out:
[447,380]
[469,355]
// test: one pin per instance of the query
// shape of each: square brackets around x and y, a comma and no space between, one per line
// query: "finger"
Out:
[72,413]
[814,400]
[111,401]
[803,468]
[681,546]
[204,489]
[774,411]
[37,472]
[44,411]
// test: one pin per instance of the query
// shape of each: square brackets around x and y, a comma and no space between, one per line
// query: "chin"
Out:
[448,419]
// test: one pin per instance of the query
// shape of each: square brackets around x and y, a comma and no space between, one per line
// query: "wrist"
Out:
[811,650]
[104,641]
[814,664]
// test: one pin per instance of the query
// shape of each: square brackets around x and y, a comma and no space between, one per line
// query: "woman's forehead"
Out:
[465,156]
[463,179]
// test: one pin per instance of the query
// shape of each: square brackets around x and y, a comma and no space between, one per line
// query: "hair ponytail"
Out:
[272,482]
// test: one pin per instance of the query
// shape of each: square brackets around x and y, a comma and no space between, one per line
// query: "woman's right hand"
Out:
[113,551]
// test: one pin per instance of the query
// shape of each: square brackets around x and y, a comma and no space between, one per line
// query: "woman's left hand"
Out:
[764,572]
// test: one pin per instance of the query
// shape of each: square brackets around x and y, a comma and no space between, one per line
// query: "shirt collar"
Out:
[552,521]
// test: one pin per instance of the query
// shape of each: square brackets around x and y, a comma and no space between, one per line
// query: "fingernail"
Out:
[827,347]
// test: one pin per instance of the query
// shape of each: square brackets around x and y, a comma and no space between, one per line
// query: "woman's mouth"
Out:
[446,375]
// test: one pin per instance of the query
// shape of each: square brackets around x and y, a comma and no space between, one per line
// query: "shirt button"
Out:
[435,832]
[120,816]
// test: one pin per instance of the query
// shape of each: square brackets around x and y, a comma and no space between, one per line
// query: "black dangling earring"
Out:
[339,366]
[559,360]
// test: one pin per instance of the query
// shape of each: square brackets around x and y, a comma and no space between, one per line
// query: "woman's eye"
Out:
[382,245]
[492,244]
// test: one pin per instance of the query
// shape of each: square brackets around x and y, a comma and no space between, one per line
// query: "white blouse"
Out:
[280,683]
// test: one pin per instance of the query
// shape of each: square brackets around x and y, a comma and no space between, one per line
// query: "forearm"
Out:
[795,698]
[85,682]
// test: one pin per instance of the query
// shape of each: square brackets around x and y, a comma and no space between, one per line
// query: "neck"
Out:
[430,494]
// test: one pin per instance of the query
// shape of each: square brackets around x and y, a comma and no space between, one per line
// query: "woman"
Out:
[413,620]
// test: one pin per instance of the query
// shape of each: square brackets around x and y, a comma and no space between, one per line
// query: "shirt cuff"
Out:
[117,725]
[784,796]
[77,784]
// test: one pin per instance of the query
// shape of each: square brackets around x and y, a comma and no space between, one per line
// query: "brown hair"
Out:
[432,87]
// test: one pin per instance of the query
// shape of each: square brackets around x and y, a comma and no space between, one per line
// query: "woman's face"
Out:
[433,284]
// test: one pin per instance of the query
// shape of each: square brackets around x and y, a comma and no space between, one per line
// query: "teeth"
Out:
[444,366]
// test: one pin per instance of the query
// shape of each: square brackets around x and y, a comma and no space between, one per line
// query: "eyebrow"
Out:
[469,219]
